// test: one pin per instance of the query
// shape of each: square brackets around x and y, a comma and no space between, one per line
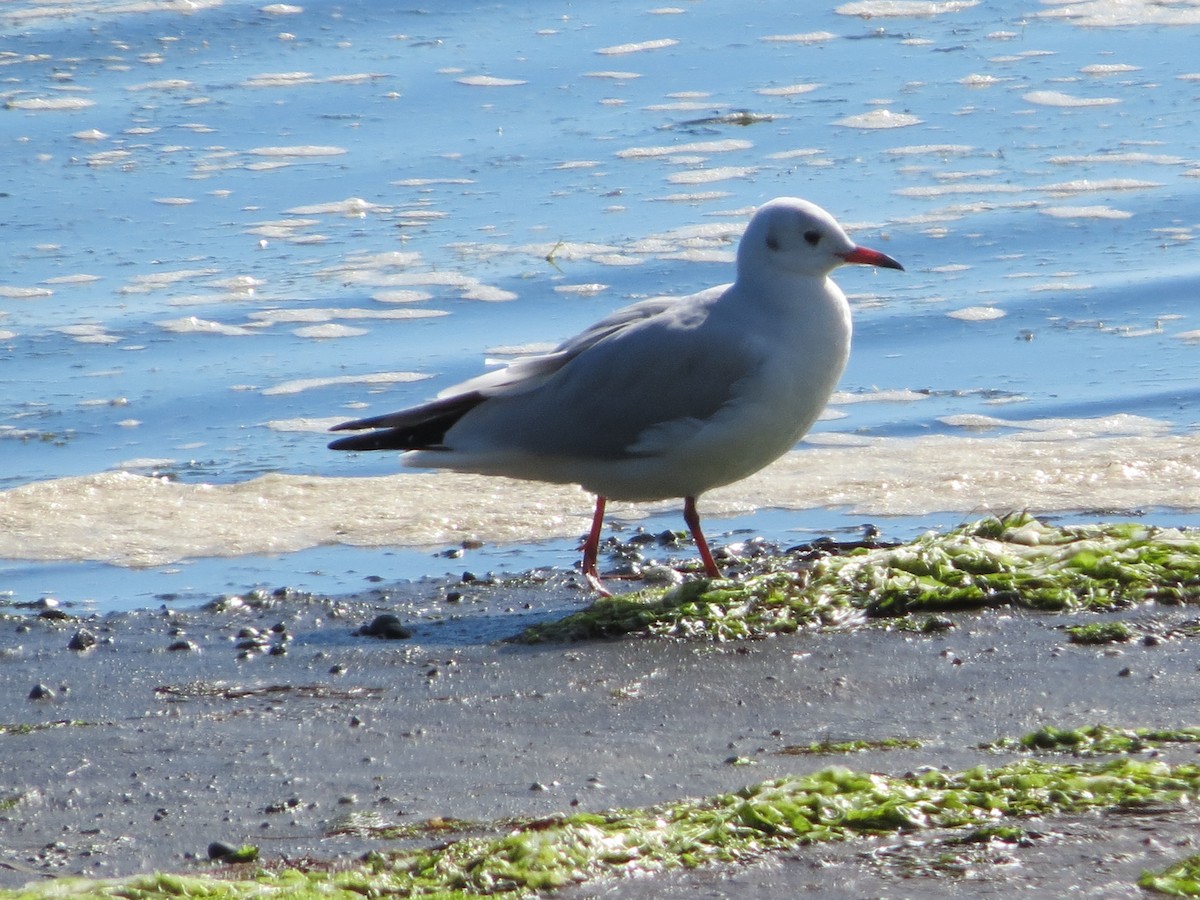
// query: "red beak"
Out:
[869,257]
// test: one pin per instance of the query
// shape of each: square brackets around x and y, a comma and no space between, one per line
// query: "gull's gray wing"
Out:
[528,372]
[645,376]
[638,379]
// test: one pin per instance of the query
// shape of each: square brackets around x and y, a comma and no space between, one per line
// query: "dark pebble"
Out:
[81,640]
[386,626]
[282,806]
[41,692]
[182,645]
[53,614]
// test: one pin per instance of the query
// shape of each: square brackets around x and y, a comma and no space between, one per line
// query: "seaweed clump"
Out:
[1091,740]
[831,805]
[1016,561]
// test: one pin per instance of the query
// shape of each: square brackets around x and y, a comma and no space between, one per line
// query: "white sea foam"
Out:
[803,37]
[1059,98]
[1109,69]
[299,385]
[897,395]
[301,150]
[877,9]
[721,146]
[1066,428]
[489,81]
[1131,157]
[1085,212]
[352,207]
[194,325]
[88,333]
[17,292]
[310,314]
[879,118]
[401,296]
[587,290]
[296,79]
[1047,466]
[1099,185]
[166,84]
[707,176]
[977,313]
[614,75]
[790,90]
[329,331]
[637,47]
[1121,13]
[40,104]
[78,278]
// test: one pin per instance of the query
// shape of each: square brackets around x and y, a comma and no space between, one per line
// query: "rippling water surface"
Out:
[227,226]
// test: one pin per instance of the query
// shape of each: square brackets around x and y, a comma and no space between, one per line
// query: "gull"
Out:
[669,397]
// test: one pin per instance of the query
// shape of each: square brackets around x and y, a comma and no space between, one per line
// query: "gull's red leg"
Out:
[693,523]
[591,550]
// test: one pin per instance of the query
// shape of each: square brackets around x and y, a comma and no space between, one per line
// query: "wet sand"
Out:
[163,751]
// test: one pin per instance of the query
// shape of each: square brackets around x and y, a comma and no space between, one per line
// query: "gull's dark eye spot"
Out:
[813,238]
[772,242]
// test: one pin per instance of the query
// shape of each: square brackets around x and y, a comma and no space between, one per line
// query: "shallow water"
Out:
[226,230]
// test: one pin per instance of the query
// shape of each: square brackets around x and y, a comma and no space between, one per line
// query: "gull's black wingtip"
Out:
[371,440]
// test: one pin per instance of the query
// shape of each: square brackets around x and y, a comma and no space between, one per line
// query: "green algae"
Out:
[829,748]
[1100,633]
[244,854]
[774,603]
[1015,561]
[371,824]
[1097,739]
[1180,880]
[834,804]
[1003,834]
[31,727]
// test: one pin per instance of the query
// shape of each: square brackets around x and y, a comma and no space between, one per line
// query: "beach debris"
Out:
[387,626]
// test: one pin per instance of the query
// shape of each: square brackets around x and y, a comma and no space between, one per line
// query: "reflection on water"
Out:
[226,229]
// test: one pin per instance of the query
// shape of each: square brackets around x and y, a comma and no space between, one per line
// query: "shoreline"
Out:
[275,720]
